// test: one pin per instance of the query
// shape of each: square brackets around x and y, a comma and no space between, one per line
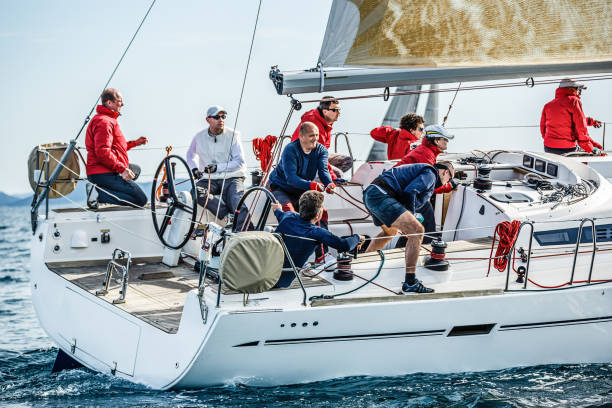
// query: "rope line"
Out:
[115,70]
[246,71]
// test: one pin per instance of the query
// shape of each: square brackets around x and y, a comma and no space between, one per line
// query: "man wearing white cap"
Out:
[217,152]
[563,123]
[435,141]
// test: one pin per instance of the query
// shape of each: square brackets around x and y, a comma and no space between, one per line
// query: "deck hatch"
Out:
[471,330]
[377,336]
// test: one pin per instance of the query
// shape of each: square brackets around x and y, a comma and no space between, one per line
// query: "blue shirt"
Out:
[413,184]
[290,223]
[296,169]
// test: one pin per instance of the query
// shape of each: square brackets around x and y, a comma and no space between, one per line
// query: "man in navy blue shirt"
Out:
[393,198]
[301,162]
[302,235]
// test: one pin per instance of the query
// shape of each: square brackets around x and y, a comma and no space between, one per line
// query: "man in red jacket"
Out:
[324,117]
[563,123]
[107,166]
[399,140]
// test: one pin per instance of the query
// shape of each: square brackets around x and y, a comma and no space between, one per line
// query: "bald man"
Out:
[300,163]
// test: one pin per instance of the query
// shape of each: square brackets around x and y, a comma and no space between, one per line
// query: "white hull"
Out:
[378,339]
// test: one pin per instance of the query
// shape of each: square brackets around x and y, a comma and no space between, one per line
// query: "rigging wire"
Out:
[115,70]
[451,105]
[246,71]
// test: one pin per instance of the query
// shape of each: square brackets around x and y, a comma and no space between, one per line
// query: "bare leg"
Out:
[383,238]
[410,225]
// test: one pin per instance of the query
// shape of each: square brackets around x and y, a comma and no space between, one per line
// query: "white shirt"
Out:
[208,149]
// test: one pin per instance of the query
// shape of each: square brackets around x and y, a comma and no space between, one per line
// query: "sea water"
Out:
[27,355]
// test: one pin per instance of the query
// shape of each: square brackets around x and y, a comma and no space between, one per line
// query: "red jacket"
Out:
[563,123]
[325,129]
[426,152]
[398,140]
[105,143]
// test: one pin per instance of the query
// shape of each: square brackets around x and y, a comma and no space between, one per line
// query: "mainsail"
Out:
[444,41]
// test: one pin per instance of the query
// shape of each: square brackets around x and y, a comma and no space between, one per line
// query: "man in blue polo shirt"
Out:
[302,235]
[301,162]
[394,198]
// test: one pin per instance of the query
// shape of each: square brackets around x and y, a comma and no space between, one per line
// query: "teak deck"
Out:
[156,293]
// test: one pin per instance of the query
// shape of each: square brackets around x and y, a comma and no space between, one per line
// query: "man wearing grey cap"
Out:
[563,123]
[217,152]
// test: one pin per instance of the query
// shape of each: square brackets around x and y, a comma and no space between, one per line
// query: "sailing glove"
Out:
[197,174]
[593,122]
[330,189]
[316,186]
[211,168]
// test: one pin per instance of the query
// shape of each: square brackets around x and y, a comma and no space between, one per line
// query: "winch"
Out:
[436,260]
[483,181]
[343,267]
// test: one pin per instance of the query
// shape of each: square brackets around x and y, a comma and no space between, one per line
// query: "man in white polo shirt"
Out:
[216,153]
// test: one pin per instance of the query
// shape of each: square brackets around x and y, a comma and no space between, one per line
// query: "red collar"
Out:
[431,146]
[103,110]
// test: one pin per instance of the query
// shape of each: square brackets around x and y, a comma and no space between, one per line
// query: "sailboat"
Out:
[141,295]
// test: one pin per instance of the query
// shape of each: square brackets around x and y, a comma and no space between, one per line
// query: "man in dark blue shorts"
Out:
[393,198]
[302,235]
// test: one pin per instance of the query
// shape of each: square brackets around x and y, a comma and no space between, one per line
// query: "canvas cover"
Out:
[251,262]
[467,33]
[66,180]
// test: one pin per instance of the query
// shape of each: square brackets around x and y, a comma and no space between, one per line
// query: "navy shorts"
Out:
[384,208]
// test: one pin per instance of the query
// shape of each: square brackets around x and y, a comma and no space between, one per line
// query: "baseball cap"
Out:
[214,110]
[435,131]
[570,83]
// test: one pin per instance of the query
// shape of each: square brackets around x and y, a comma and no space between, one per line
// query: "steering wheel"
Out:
[264,214]
[168,164]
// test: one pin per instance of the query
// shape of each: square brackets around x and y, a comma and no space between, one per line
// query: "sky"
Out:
[191,54]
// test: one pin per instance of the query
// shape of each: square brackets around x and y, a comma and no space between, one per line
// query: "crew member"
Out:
[398,141]
[301,161]
[393,198]
[302,235]
[324,117]
[217,152]
[563,123]
[108,167]
[435,142]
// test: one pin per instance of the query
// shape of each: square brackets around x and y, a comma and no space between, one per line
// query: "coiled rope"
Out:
[507,233]
[262,148]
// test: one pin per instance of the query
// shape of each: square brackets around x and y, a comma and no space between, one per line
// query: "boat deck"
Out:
[156,292]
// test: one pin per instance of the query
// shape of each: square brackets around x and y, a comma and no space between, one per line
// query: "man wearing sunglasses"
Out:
[398,141]
[324,117]
[216,153]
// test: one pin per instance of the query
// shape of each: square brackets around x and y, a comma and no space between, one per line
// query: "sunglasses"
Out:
[337,110]
[217,117]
